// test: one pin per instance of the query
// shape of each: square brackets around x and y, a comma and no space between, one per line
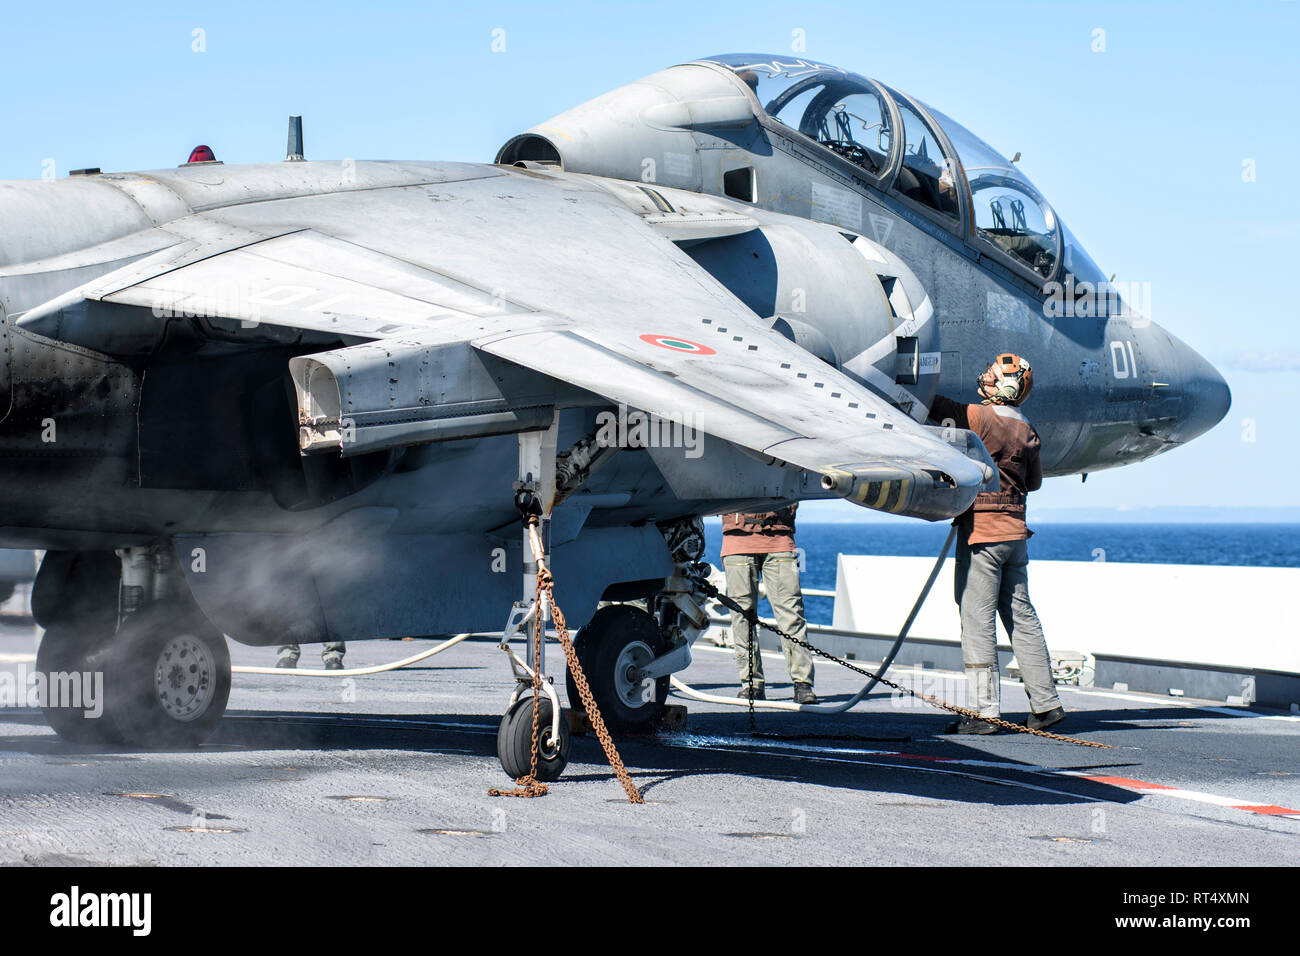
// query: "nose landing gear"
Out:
[615,647]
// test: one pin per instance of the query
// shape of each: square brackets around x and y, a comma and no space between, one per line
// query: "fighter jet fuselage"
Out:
[306,379]
[1001,270]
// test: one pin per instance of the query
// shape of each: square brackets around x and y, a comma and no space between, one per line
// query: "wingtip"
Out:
[919,492]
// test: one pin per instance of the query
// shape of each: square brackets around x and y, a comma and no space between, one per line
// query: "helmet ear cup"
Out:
[1026,381]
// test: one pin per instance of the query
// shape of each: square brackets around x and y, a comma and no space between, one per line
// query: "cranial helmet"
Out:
[1008,380]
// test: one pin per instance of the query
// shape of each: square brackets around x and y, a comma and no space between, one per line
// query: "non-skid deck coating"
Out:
[395,768]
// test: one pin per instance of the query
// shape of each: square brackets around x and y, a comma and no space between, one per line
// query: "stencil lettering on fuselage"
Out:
[839,207]
[678,165]
[1006,312]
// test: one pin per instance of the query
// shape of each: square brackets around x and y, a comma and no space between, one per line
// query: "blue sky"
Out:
[1139,147]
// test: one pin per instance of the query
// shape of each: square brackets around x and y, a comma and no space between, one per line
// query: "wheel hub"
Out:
[546,746]
[185,678]
[632,691]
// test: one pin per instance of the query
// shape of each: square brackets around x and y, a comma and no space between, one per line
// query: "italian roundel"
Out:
[674,344]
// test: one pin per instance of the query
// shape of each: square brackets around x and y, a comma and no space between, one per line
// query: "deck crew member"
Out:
[331,655]
[993,552]
[764,543]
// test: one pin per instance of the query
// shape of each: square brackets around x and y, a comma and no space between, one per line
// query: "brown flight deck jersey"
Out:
[762,532]
[1014,445]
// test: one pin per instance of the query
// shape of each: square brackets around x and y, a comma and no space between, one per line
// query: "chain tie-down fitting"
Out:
[530,786]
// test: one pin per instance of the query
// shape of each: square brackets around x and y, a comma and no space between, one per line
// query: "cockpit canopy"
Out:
[930,161]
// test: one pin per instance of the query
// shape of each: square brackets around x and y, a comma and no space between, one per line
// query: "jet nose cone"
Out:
[1206,397]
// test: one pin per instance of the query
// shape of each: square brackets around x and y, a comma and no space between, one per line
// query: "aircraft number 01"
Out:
[1122,359]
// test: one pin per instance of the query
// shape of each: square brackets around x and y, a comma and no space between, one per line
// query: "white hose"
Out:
[690,691]
[866,688]
[354,671]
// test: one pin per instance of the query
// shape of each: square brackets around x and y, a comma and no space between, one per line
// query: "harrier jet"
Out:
[295,401]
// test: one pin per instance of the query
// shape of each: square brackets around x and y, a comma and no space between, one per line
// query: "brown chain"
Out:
[545,582]
[529,786]
[927,698]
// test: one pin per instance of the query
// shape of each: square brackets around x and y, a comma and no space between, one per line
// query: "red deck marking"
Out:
[1129,783]
[1268,809]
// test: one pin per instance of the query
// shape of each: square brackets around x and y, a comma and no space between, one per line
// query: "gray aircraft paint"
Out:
[983,304]
[311,373]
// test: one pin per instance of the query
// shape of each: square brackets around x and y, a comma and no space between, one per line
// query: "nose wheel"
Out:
[618,641]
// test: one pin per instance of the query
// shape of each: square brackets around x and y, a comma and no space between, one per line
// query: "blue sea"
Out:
[1257,545]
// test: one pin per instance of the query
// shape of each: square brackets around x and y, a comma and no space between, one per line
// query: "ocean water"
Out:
[1255,545]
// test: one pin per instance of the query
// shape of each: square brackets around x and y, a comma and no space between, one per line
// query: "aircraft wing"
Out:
[548,273]
[776,400]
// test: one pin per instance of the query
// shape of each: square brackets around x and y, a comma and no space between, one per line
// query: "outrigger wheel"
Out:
[619,639]
[515,741]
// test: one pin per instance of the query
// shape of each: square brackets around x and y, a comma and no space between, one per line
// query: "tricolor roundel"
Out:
[674,344]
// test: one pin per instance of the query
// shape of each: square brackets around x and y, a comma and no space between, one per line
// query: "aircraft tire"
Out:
[64,649]
[617,637]
[515,741]
[166,678]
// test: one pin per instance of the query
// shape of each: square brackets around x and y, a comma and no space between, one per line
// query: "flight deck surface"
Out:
[394,769]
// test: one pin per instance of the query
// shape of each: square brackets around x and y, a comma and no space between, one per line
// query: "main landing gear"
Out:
[123,632]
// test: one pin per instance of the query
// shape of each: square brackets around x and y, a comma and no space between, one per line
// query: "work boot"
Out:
[749,692]
[1043,721]
[333,664]
[972,725]
[803,693]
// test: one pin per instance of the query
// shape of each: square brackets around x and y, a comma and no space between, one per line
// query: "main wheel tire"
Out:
[77,587]
[166,678]
[515,741]
[617,639]
[64,649]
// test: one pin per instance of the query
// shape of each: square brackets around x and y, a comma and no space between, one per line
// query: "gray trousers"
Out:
[780,571]
[991,581]
[330,650]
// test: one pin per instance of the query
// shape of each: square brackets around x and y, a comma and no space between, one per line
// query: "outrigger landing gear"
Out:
[516,732]
[515,740]
[534,717]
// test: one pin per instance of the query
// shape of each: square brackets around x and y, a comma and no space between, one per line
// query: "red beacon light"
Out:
[201,154]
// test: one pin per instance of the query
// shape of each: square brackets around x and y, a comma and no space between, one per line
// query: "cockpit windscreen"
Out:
[1009,212]
[853,116]
[840,110]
